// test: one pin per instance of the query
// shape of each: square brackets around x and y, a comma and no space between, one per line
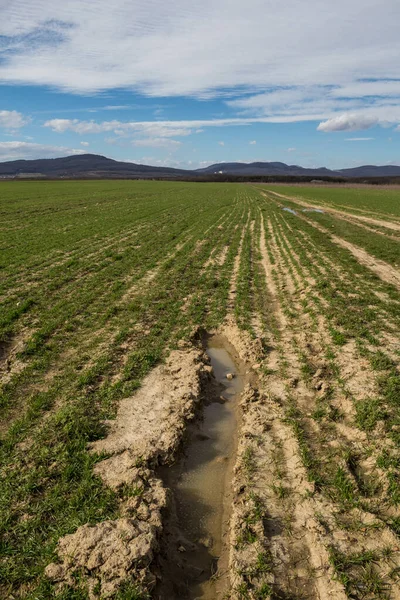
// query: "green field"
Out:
[100,280]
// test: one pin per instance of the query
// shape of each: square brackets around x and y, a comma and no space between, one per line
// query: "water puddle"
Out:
[201,485]
[317,210]
[289,210]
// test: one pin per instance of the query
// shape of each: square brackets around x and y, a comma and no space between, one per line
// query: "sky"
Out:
[188,83]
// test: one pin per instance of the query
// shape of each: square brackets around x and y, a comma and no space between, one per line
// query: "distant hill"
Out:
[278,168]
[372,171]
[268,168]
[95,166]
[84,165]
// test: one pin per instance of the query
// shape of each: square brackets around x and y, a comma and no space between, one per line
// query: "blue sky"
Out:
[189,83]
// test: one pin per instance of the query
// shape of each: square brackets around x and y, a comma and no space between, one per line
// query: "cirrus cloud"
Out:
[157,143]
[149,128]
[333,62]
[158,48]
[359,139]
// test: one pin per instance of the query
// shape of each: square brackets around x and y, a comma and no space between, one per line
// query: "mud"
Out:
[147,431]
[173,532]
[195,561]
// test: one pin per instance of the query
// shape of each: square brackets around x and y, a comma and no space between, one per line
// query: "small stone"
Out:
[230,376]
[143,512]
[206,542]
[181,549]
[256,366]
[132,504]
[55,572]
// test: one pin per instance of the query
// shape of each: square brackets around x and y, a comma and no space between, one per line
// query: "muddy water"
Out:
[201,484]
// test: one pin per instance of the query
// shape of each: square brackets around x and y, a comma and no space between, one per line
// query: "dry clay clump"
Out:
[147,431]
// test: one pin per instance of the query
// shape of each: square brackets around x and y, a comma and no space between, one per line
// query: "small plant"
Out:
[368,413]
[281,491]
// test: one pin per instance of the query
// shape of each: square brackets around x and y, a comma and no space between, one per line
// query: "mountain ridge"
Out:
[98,166]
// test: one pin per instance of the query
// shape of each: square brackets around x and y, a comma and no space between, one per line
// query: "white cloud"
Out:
[11,119]
[253,143]
[397,128]
[360,89]
[321,102]
[170,161]
[348,122]
[335,60]
[85,144]
[26,150]
[157,143]
[157,129]
[146,128]
[116,107]
[359,139]
[291,150]
[221,143]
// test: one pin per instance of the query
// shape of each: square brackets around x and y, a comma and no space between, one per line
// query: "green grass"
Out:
[358,574]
